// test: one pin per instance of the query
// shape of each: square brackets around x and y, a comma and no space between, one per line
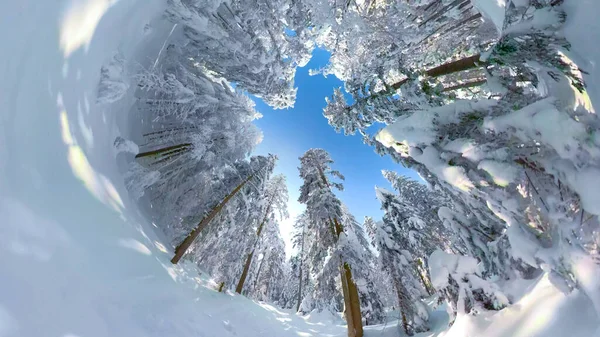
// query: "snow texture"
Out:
[442,264]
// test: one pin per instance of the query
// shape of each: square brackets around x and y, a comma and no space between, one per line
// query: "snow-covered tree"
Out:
[271,202]
[332,247]
[245,42]
[395,241]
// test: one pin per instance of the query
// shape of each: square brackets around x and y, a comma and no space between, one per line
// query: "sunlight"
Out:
[160,247]
[134,244]
[98,185]
[581,99]
[79,23]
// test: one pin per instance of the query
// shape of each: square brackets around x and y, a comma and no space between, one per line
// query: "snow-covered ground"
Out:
[76,256]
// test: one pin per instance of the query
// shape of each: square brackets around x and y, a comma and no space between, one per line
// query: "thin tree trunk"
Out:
[300,269]
[240,284]
[187,242]
[455,66]
[448,68]
[425,284]
[401,301]
[163,150]
[442,11]
[259,271]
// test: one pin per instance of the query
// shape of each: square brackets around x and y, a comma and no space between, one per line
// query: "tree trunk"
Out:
[401,301]
[259,271]
[354,301]
[164,150]
[349,289]
[300,270]
[187,242]
[442,11]
[455,66]
[350,292]
[448,68]
[347,303]
[240,284]
[425,285]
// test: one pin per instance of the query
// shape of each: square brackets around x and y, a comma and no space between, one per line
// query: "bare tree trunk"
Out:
[448,68]
[240,284]
[164,150]
[401,301]
[187,242]
[300,270]
[455,66]
[259,271]
[354,301]
[347,303]
[425,284]
[350,292]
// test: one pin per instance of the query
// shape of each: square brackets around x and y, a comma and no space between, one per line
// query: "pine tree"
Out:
[324,212]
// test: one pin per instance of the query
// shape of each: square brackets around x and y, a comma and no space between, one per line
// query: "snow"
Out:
[502,173]
[543,121]
[582,27]
[77,257]
[492,10]
[544,311]
[113,85]
[540,310]
[418,127]
[454,175]
[542,19]
[442,264]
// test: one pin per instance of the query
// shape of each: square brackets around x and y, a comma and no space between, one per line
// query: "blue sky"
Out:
[289,133]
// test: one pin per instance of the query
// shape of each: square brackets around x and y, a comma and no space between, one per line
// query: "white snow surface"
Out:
[492,10]
[76,256]
[582,30]
[442,264]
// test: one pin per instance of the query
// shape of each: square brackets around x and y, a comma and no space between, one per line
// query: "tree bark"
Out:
[300,270]
[354,300]
[455,66]
[350,292]
[347,303]
[401,301]
[448,68]
[179,147]
[187,242]
[240,284]
[259,271]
